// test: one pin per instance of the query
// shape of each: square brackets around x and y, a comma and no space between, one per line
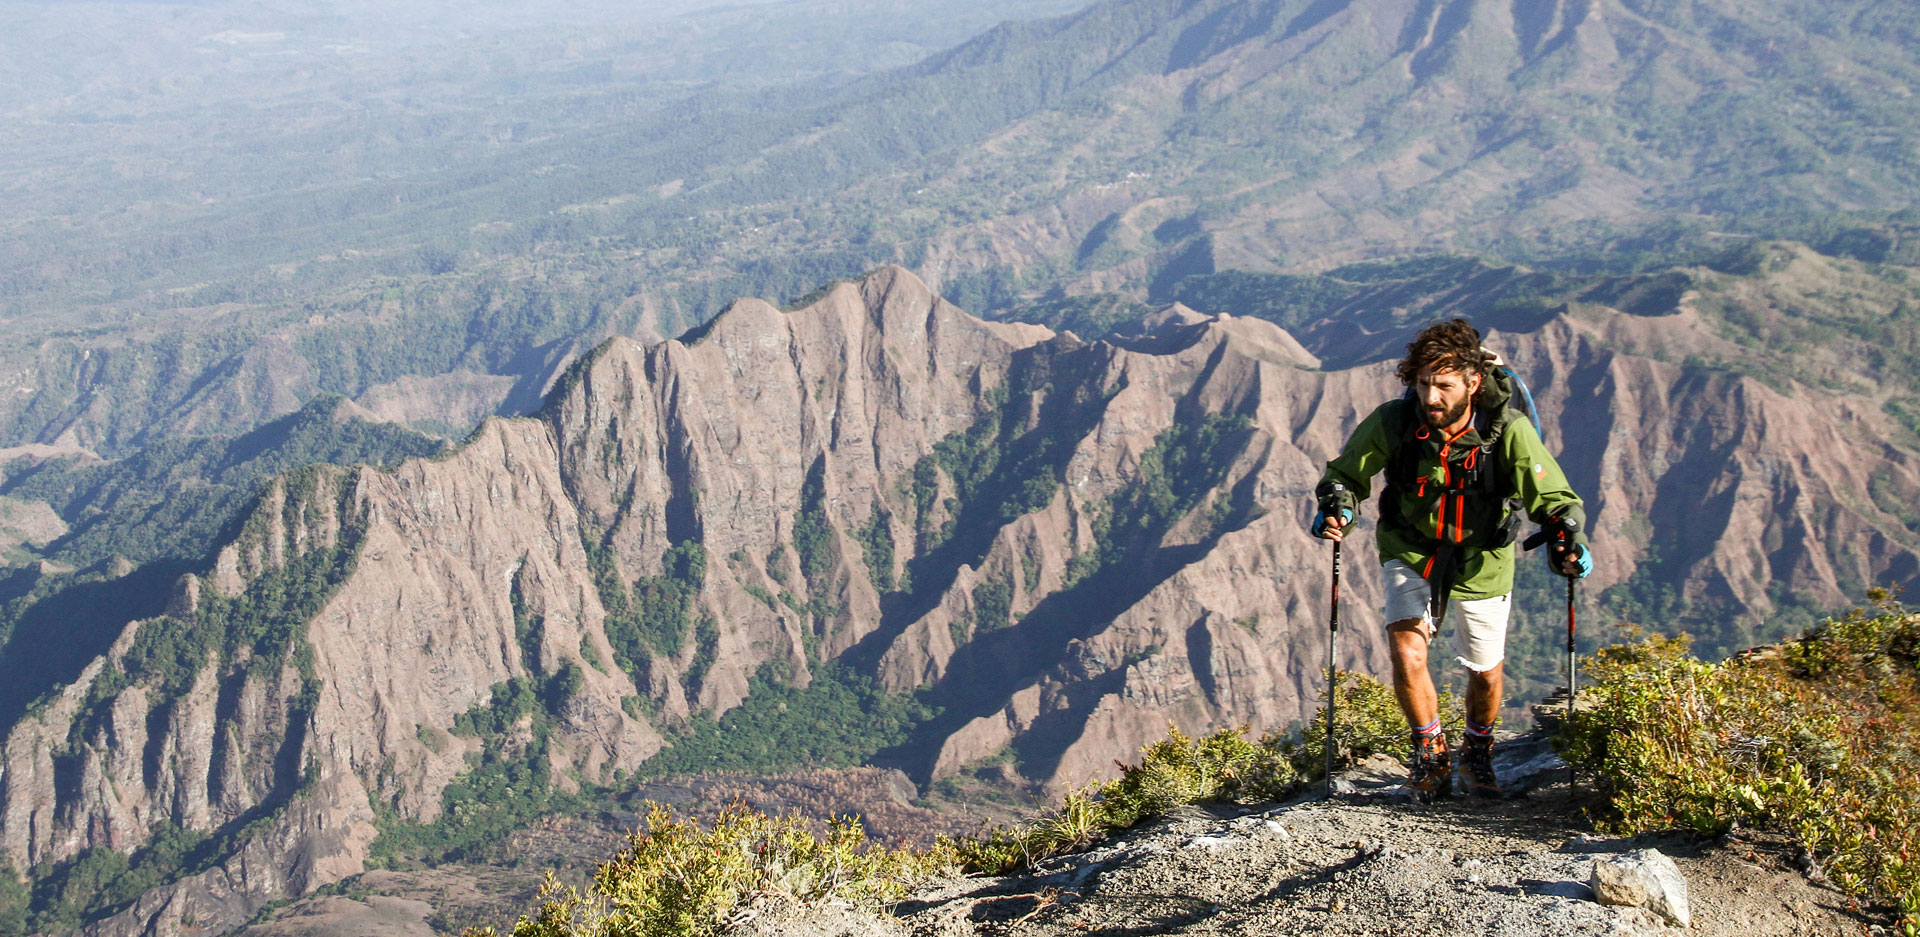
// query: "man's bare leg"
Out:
[1485,689]
[1431,774]
[1483,707]
[1412,683]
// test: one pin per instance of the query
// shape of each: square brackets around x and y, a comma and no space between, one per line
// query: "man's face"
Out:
[1444,396]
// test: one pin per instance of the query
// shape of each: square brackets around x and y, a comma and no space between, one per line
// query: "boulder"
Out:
[1644,879]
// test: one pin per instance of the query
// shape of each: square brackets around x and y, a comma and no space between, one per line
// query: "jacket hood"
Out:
[1496,389]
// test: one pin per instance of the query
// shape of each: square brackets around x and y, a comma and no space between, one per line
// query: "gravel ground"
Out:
[1366,863]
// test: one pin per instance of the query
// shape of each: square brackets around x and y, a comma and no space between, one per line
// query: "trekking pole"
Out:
[1333,676]
[1573,778]
[1562,532]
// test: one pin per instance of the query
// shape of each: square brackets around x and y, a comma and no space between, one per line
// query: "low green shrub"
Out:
[1819,737]
[1367,722]
[1225,766]
[679,879]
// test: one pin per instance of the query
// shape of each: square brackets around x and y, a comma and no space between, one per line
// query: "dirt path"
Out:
[1364,865]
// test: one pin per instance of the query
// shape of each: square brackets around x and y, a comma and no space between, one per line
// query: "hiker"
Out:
[1462,466]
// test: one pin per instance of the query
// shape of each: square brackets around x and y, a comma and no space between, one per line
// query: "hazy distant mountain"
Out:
[1120,147]
[1291,135]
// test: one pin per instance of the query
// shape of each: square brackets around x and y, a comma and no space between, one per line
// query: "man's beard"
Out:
[1448,418]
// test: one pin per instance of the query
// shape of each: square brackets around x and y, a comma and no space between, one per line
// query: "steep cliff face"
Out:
[1060,546]
[203,720]
[307,680]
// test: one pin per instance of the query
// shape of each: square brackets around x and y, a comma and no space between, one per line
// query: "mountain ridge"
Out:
[1053,547]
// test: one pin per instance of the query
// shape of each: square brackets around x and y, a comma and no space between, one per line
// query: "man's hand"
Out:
[1331,513]
[1570,560]
[1331,527]
[1565,556]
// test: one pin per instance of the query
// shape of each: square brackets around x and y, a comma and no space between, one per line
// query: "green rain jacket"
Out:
[1435,506]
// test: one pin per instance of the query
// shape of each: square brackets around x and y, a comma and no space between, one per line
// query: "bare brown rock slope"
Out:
[1063,545]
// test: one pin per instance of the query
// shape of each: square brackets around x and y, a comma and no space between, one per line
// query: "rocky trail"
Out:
[1365,863]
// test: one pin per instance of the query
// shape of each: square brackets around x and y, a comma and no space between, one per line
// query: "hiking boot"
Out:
[1477,759]
[1431,775]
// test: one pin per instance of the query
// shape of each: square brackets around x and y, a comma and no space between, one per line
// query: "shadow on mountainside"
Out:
[989,669]
[54,636]
[1010,462]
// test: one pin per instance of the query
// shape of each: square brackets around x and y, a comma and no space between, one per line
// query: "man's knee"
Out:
[1409,638]
[1410,631]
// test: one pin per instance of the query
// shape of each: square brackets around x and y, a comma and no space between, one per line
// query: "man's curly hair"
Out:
[1443,346]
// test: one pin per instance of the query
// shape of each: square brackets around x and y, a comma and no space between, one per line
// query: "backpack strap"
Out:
[1403,462]
[1476,473]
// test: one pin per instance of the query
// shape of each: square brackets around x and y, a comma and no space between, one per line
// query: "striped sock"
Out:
[1431,728]
[1477,730]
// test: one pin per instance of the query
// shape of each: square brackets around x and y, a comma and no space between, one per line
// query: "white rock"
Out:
[1644,879]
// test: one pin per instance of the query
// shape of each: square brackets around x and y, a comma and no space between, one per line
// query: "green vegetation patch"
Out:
[706,649]
[876,547]
[1010,462]
[999,469]
[1819,737]
[1188,460]
[99,881]
[813,538]
[655,616]
[678,878]
[506,785]
[529,629]
[983,460]
[992,605]
[840,720]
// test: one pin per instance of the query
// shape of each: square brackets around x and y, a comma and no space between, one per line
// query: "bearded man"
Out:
[1462,470]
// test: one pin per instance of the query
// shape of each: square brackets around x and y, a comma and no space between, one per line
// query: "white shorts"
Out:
[1479,625]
